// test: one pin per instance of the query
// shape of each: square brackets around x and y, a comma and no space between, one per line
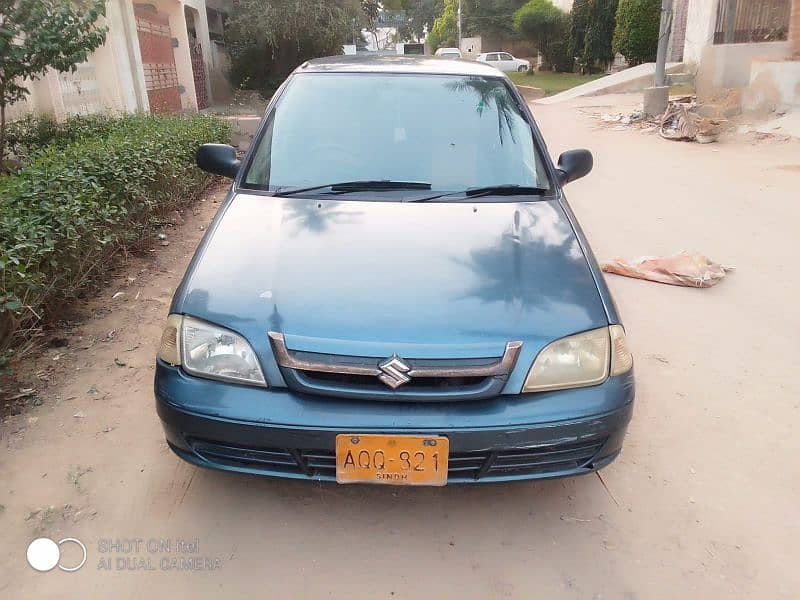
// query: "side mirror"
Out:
[573,165]
[218,159]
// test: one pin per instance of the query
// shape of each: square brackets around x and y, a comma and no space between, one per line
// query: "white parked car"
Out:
[448,53]
[504,61]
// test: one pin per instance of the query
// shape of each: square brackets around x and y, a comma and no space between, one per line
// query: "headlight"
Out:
[207,350]
[580,360]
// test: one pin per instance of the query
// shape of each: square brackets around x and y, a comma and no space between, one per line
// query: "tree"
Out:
[493,19]
[39,34]
[592,31]
[371,10]
[444,32]
[267,39]
[636,33]
[420,15]
[547,27]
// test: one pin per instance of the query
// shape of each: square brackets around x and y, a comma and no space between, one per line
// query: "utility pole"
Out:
[664,29]
[459,25]
[656,98]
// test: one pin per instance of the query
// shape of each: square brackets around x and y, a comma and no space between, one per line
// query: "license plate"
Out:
[391,459]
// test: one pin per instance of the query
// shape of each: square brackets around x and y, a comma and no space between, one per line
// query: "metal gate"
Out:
[752,21]
[158,58]
[199,72]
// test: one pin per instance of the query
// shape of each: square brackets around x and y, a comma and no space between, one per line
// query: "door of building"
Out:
[199,72]
[158,58]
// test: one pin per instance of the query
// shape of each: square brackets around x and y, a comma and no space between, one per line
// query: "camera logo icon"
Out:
[44,554]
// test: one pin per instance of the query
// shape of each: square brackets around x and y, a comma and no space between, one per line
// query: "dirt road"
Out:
[702,502]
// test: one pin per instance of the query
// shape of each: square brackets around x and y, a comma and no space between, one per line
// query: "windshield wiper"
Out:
[506,189]
[359,186]
[511,189]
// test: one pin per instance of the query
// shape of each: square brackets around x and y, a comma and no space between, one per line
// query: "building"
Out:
[159,56]
[471,47]
[753,45]
[381,38]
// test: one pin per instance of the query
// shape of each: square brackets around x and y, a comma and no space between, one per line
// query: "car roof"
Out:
[423,65]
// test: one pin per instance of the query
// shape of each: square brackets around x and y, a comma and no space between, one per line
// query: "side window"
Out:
[505,56]
[491,57]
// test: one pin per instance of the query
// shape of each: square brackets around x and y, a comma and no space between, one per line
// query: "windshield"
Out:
[453,132]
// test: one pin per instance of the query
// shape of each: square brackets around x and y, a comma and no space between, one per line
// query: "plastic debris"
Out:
[622,119]
[681,122]
[688,269]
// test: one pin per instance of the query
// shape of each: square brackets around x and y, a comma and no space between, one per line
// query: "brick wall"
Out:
[794,29]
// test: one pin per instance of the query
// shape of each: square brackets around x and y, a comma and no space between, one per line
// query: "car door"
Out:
[506,62]
[491,58]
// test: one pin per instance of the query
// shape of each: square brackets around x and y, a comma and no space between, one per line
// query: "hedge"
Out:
[25,137]
[84,198]
[636,32]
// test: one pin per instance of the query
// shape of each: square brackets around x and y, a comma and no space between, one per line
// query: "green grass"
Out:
[552,83]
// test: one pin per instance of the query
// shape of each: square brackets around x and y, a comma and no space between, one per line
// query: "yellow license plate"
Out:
[391,459]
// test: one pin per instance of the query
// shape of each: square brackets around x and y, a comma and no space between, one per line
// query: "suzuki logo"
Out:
[394,372]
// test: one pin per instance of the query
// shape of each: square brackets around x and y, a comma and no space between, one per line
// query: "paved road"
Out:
[702,503]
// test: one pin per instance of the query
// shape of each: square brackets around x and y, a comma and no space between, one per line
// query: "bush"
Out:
[561,60]
[593,23]
[636,32]
[267,39]
[79,202]
[444,31]
[26,136]
[547,27]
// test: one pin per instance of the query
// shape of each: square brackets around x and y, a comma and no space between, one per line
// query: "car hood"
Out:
[423,280]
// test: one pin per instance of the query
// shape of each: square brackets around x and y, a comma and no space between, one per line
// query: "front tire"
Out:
[522,68]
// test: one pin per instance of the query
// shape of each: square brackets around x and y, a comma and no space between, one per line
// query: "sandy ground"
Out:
[702,502]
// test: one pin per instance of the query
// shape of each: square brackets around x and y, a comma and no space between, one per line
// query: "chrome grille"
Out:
[394,378]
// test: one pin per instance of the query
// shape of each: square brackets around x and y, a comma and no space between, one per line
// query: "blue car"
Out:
[395,291]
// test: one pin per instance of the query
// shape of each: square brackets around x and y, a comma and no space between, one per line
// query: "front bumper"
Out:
[283,434]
